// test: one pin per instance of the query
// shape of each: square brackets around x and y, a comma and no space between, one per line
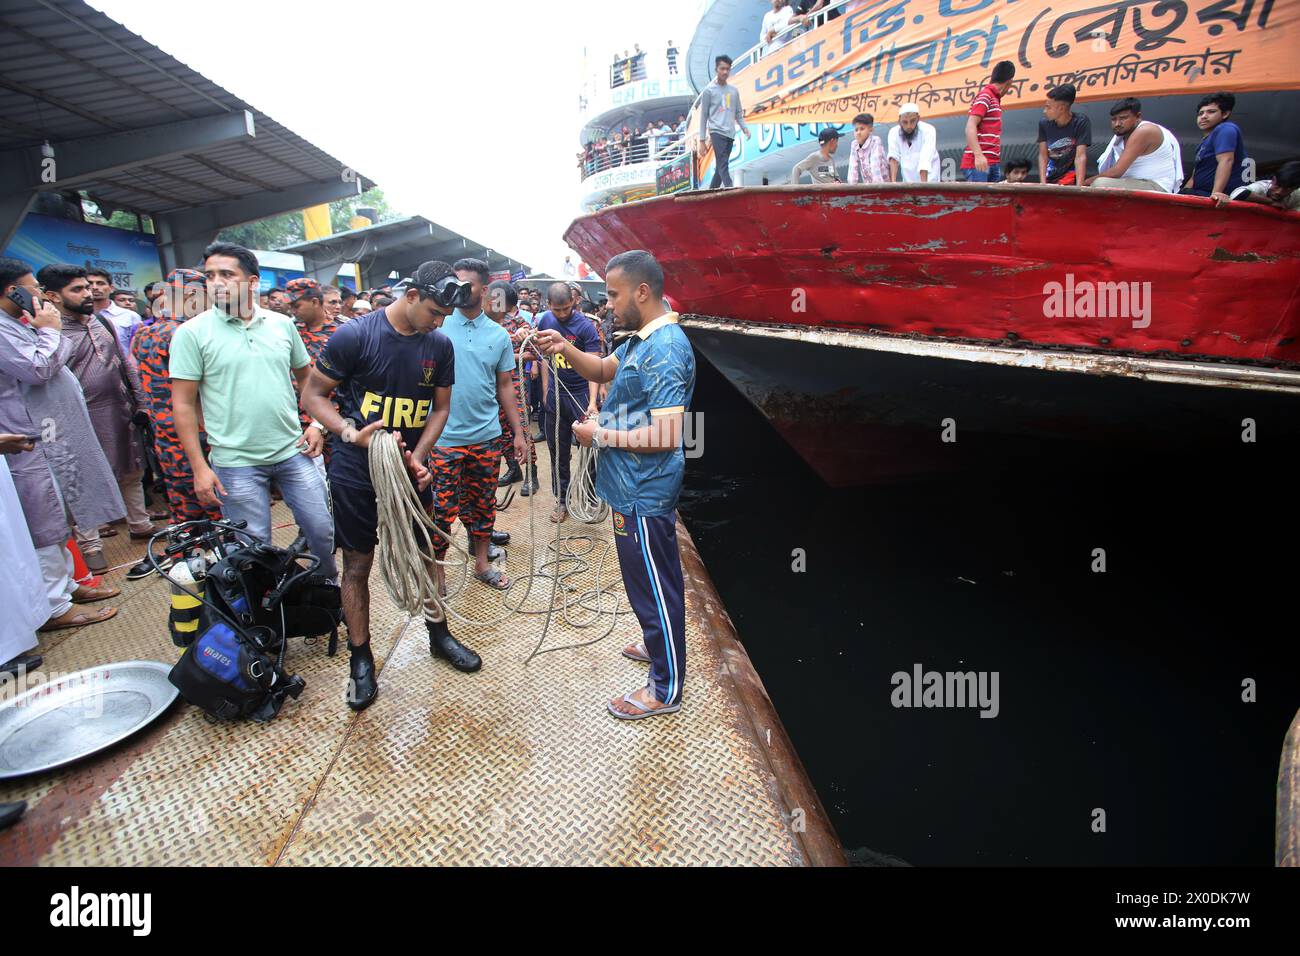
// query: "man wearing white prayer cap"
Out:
[913,148]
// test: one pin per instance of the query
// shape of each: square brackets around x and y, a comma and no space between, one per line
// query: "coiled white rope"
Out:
[405,551]
[581,500]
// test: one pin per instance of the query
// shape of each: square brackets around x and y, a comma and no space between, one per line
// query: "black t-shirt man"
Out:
[383,374]
[1061,142]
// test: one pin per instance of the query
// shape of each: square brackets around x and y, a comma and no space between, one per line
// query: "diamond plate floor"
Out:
[518,764]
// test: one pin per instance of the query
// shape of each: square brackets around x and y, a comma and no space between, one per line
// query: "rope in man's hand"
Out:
[406,555]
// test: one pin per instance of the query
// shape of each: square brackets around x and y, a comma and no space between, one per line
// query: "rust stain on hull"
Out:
[898,255]
[1223,255]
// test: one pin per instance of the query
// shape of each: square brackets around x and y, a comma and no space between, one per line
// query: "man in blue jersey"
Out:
[639,434]
[567,397]
[390,368]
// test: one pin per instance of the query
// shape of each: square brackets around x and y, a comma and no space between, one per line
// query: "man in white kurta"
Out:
[21,587]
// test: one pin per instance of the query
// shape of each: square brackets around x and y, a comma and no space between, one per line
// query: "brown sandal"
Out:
[75,618]
[89,595]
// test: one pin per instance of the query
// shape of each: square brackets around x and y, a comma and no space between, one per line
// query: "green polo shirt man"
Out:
[235,361]
[248,405]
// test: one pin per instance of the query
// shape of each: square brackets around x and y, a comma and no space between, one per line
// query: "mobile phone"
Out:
[23,299]
[31,438]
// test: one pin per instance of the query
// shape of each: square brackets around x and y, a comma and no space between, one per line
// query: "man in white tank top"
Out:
[1141,154]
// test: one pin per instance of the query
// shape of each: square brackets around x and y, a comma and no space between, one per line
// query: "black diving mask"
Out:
[449,292]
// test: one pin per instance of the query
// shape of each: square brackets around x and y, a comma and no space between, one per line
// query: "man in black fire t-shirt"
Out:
[392,369]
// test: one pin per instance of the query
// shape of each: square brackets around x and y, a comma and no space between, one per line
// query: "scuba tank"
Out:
[188,615]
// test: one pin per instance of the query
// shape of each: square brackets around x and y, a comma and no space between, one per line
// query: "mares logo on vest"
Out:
[620,524]
[397,412]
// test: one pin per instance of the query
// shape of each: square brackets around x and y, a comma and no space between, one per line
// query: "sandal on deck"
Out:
[75,618]
[493,577]
[642,710]
[637,652]
[89,595]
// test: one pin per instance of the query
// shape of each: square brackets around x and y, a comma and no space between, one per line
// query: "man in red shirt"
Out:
[982,159]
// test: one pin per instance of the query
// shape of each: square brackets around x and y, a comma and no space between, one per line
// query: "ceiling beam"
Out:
[77,162]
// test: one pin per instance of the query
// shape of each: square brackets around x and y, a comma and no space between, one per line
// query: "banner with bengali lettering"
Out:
[938,54]
[130,257]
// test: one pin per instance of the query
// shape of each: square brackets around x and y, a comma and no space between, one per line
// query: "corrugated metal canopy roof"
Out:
[70,72]
[410,239]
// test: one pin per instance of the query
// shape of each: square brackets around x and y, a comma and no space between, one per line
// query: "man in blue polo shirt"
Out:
[641,465]
[467,456]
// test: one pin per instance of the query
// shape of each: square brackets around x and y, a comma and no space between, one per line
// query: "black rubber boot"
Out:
[530,482]
[363,683]
[11,813]
[500,537]
[442,644]
[512,475]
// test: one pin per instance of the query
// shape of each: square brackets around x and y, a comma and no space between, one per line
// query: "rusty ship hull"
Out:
[868,323]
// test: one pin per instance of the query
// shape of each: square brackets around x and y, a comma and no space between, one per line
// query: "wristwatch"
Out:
[349,432]
[595,439]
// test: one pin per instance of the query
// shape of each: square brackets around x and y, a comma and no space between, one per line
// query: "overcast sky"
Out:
[464,112]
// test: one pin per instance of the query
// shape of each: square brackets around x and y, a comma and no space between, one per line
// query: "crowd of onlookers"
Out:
[1140,155]
[634,144]
[786,20]
[93,442]
[340,302]
[631,66]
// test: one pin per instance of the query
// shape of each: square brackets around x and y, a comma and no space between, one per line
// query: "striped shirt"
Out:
[988,107]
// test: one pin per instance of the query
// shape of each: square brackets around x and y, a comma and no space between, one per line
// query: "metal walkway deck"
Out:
[518,764]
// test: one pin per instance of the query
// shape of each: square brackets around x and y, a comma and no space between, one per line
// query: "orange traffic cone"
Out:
[80,573]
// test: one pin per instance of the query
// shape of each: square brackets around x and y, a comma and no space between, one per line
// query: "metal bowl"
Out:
[52,724]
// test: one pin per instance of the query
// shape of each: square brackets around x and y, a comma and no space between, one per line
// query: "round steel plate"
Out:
[52,724]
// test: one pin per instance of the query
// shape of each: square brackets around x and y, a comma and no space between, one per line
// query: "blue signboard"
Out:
[130,257]
[771,138]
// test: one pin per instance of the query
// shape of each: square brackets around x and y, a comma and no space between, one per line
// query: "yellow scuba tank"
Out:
[188,615]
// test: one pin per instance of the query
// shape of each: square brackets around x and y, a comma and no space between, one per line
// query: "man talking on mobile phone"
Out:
[66,471]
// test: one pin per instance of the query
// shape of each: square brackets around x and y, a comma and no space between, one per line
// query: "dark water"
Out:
[1120,690]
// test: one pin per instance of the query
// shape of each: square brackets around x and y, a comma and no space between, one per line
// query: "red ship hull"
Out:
[863,322]
[971,261]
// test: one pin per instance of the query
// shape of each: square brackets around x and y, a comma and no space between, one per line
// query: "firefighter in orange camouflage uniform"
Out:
[307,303]
[502,307]
[184,296]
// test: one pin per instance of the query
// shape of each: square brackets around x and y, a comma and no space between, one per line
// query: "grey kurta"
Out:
[39,396]
[93,356]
